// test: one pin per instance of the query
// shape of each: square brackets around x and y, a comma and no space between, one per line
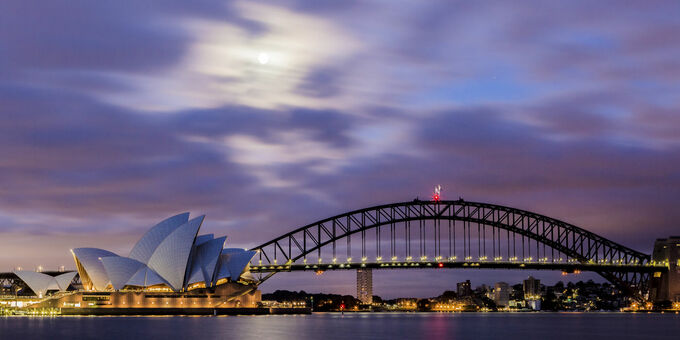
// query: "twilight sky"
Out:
[267,115]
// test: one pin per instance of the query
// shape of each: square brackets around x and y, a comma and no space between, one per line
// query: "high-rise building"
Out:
[365,285]
[501,294]
[464,288]
[532,288]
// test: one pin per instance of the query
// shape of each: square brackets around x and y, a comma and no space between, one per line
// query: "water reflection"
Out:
[330,326]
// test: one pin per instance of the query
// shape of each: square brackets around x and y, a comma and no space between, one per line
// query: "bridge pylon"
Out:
[665,286]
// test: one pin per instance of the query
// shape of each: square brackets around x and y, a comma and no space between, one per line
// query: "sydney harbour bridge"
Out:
[455,234]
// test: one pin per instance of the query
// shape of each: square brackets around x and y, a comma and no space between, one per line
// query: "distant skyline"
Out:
[267,115]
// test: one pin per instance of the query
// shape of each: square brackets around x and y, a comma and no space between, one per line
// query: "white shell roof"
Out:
[170,258]
[40,283]
[205,260]
[64,280]
[120,269]
[145,247]
[233,262]
[89,259]
[171,253]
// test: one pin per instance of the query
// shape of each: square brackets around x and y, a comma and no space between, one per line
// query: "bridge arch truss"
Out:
[453,231]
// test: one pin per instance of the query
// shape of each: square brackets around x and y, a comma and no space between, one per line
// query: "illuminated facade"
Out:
[501,294]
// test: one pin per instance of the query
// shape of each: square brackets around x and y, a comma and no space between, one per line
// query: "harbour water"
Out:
[329,326]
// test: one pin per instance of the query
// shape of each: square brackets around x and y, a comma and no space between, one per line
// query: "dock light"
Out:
[440,265]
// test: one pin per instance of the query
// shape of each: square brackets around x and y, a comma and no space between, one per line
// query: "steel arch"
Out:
[575,242]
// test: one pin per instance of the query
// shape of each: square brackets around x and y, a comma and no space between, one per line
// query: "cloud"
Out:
[221,63]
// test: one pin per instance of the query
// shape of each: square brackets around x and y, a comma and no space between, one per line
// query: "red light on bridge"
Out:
[437,193]
[440,265]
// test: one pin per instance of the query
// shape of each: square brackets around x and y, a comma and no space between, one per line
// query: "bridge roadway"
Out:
[563,266]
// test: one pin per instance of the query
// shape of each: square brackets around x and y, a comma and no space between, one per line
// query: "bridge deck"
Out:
[566,267]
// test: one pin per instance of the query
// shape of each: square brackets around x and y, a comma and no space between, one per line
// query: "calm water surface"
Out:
[509,326]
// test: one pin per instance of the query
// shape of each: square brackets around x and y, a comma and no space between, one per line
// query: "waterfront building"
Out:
[464,288]
[501,294]
[170,266]
[365,285]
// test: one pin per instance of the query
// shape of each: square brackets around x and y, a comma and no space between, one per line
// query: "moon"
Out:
[263,58]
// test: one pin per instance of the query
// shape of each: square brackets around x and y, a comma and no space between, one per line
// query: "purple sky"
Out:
[116,115]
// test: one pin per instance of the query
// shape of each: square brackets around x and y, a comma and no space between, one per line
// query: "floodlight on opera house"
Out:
[170,256]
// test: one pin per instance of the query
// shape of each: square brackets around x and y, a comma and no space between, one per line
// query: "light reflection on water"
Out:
[329,326]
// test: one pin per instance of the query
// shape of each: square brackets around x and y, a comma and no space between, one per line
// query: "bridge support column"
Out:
[666,286]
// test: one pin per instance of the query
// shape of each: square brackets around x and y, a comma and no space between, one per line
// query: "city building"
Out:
[532,293]
[365,285]
[464,288]
[501,294]
[532,288]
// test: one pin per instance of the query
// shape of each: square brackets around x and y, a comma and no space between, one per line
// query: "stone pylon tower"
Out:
[365,286]
[666,286]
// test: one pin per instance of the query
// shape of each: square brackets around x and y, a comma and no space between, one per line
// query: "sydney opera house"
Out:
[171,266]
